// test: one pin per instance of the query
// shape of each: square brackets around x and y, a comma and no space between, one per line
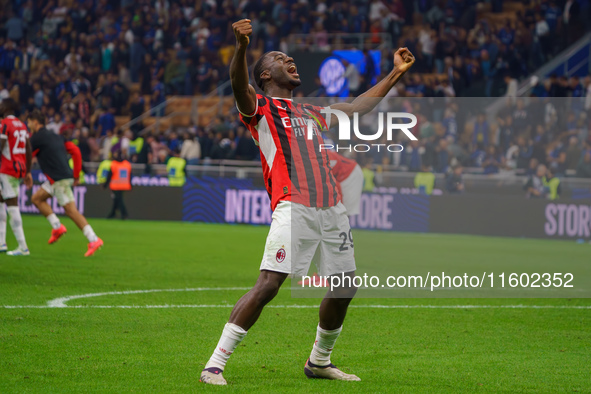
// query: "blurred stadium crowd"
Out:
[86,64]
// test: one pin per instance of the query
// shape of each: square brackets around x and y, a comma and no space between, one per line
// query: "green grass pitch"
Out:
[101,347]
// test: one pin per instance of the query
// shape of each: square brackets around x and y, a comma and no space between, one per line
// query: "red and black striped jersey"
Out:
[294,167]
[14,154]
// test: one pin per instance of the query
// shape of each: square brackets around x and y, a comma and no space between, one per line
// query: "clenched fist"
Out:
[403,59]
[242,29]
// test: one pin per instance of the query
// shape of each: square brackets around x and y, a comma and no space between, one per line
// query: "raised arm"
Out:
[244,93]
[364,103]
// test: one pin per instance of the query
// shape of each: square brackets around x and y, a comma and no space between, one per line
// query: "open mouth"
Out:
[292,70]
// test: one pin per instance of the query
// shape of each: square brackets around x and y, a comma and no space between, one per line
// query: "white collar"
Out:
[281,98]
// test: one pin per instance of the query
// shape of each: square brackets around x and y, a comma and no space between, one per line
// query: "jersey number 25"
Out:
[20,146]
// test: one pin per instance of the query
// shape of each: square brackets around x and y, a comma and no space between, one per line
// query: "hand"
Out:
[242,29]
[76,182]
[29,180]
[403,59]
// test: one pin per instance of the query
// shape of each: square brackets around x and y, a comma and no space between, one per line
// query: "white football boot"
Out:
[213,376]
[18,252]
[328,372]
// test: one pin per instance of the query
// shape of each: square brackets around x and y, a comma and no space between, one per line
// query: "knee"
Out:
[15,221]
[265,292]
[344,294]
[15,216]
[70,208]
[346,289]
[266,289]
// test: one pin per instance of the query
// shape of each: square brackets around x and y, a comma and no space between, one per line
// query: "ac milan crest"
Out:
[280,256]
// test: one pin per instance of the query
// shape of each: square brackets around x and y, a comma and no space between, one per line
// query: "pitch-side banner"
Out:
[213,200]
[237,201]
[93,201]
[216,200]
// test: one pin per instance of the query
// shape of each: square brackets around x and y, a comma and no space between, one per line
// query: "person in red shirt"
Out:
[308,219]
[350,180]
[15,165]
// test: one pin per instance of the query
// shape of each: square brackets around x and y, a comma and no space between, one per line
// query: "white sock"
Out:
[89,233]
[230,339]
[325,340]
[16,223]
[54,221]
[2,223]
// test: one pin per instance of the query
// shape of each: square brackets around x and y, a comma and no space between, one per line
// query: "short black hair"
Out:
[38,116]
[8,107]
[258,69]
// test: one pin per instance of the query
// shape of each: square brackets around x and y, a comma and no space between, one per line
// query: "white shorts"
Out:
[61,190]
[10,186]
[351,189]
[300,234]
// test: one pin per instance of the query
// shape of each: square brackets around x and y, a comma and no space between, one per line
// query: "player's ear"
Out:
[265,75]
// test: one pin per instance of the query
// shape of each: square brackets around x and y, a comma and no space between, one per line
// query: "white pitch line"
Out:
[369,306]
[61,302]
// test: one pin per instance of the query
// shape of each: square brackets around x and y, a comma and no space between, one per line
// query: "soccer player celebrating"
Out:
[304,198]
[15,165]
[52,154]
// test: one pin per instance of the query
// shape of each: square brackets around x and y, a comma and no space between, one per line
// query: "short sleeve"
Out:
[3,131]
[256,108]
[252,120]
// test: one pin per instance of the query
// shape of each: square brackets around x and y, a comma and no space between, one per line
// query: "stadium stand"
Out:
[105,72]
